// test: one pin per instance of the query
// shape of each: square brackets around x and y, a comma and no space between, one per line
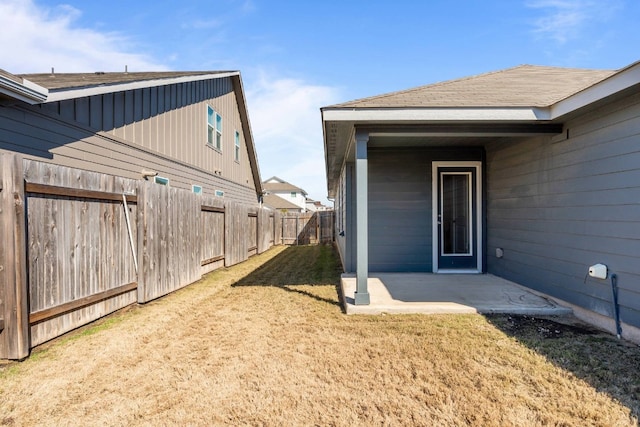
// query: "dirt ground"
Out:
[266,343]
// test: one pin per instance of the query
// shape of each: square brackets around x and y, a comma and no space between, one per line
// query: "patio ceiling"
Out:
[340,137]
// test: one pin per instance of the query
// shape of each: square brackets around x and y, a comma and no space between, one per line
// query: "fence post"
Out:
[13,258]
[144,234]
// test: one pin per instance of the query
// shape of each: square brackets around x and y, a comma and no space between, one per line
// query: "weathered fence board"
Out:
[252,231]
[78,247]
[326,221]
[169,247]
[236,233]
[264,230]
[212,224]
[277,229]
[14,336]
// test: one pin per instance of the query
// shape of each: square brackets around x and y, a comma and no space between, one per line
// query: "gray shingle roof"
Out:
[521,86]
[85,80]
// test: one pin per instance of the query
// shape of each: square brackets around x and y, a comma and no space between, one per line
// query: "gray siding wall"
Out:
[558,205]
[45,136]
[400,211]
[340,207]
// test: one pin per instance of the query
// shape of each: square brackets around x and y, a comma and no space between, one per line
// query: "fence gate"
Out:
[307,228]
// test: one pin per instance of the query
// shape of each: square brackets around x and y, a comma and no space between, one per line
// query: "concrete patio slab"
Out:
[446,293]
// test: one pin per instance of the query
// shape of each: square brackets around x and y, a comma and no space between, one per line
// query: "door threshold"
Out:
[459,271]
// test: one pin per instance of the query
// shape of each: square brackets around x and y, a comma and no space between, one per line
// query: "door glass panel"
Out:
[456,214]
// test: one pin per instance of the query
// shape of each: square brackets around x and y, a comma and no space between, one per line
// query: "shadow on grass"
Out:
[598,358]
[312,265]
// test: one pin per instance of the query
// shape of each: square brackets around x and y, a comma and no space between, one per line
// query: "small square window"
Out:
[219,193]
[197,189]
[293,194]
[161,180]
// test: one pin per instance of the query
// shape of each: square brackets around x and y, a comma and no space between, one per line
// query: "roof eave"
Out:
[26,91]
[248,135]
[409,115]
[624,79]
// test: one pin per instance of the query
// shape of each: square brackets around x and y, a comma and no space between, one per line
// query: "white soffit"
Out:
[435,114]
[63,94]
[624,79]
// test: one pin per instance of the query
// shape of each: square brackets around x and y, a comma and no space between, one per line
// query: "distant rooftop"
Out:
[277,202]
[277,184]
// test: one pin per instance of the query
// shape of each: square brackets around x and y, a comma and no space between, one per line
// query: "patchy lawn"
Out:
[266,343]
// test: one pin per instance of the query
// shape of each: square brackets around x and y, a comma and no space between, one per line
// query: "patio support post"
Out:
[362,227]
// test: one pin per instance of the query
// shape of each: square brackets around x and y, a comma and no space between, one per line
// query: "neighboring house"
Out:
[184,129]
[279,204]
[315,206]
[289,192]
[530,173]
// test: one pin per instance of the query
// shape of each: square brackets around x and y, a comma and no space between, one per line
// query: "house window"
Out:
[236,154]
[293,194]
[161,180]
[197,189]
[219,193]
[214,128]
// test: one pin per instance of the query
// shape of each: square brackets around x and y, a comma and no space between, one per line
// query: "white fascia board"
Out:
[624,79]
[435,114]
[26,91]
[121,87]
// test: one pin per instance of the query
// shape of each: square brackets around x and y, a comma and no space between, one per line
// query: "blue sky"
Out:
[297,56]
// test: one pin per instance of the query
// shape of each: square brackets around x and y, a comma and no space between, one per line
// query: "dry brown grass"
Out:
[270,346]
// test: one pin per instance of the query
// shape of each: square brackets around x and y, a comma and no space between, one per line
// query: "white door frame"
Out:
[434,214]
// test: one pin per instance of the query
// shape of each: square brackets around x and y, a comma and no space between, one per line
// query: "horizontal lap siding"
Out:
[399,211]
[557,206]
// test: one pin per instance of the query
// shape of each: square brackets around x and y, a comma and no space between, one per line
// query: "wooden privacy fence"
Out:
[77,245]
[308,228]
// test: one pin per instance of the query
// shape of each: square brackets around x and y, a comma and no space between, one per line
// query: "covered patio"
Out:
[427,293]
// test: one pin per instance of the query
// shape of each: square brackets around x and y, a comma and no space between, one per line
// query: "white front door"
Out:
[457,225]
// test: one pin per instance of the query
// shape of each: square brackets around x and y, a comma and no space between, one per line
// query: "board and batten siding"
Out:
[558,205]
[46,136]
[171,120]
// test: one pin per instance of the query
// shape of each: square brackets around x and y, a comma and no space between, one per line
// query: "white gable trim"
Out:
[121,87]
